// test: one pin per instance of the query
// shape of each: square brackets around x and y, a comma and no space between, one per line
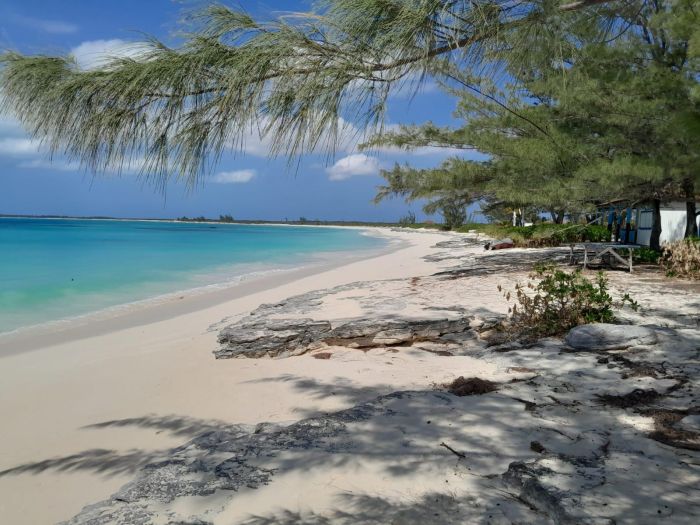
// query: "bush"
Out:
[645,255]
[408,220]
[455,214]
[544,234]
[554,301]
[682,258]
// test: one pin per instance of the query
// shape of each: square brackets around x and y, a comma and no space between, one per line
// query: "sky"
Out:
[246,185]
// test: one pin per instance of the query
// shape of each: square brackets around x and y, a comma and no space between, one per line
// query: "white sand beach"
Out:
[82,417]
[51,395]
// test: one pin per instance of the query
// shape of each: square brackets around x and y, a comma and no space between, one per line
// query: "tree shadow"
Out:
[432,508]
[341,388]
[180,426]
[401,437]
[504,262]
[115,462]
[98,461]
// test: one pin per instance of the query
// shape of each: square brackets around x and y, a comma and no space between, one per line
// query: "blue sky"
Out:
[248,185]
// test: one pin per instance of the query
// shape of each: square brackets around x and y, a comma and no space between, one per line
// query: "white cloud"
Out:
[95,54]
[48,26]
[352,165]
[18,146]
[234,177]
[49,165]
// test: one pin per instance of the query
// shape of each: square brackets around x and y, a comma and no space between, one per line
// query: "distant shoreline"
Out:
[209,221]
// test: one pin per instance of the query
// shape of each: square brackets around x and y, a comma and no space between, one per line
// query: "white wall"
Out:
[672,224]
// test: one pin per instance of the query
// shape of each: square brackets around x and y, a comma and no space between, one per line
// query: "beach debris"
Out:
[605,336]
[472,386]
[460,455]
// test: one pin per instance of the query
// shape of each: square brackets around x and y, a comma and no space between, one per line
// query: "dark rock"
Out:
[631,399]
[536,446]
[500,244]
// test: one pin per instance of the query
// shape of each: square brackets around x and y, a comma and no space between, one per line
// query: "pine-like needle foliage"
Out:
[581,121]
[291,78]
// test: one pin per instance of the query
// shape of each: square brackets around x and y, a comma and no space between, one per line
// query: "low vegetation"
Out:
[682,258]
[645,255]
[408,220]
[537,235]
[554,301]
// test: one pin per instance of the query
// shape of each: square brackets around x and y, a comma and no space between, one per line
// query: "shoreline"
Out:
[57,400]
[181,302]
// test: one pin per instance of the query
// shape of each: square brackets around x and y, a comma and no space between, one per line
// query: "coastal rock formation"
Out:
[604,336]
[285,337]
[271,338]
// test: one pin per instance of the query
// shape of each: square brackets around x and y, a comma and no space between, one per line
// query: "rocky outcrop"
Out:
[284,337]
[604,336]
[270,338]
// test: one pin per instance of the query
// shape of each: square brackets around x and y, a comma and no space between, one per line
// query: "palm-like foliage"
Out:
[292,78]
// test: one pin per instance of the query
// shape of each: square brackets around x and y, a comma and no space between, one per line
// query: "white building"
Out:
[673,220]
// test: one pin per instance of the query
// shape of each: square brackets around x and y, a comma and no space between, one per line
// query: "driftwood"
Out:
[455,452]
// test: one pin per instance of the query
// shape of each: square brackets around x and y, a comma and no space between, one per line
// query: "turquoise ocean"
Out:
[53,269]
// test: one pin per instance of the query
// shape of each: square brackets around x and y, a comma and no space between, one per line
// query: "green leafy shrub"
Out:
[645,255]
[554,301]
[682,258]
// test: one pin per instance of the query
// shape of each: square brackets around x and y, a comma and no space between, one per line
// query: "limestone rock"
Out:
[284,337]
[604,336]
[271,337]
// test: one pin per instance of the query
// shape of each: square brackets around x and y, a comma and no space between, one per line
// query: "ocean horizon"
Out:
[53,269]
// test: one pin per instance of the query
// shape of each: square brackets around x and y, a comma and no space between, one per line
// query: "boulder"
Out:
[604,336]
[500,244]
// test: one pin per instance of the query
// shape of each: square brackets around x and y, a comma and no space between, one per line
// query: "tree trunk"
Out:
[691,224]
[655,240]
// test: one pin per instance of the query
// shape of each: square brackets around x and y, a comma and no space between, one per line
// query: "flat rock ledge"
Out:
[287,337]
[604,336]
